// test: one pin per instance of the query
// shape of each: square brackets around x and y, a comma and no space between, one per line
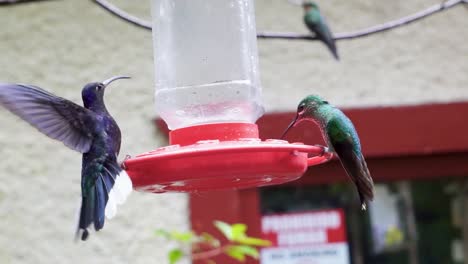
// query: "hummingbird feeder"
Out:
[208,92]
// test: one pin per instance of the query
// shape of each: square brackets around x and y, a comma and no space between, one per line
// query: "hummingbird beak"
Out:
[292,124]
[108,81]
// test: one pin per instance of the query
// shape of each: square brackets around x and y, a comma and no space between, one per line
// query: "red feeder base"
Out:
[233,158]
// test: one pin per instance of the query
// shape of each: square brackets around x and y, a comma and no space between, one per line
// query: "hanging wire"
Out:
[298,36]
[11,2]
[123,15]
[114,10]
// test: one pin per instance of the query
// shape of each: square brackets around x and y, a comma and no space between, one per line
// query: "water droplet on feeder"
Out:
[178,183]
[158,188]
[297,143]
[252,140]
[216,141]
[167,148]
[276,141]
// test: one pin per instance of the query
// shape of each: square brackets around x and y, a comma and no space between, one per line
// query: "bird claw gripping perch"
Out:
[324,150]
[323,156]
[122,164]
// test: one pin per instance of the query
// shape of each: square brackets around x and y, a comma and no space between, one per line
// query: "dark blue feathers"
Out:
[90,130]
[54,116]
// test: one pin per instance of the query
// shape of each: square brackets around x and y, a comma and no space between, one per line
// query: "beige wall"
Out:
[60,45]
[423,62]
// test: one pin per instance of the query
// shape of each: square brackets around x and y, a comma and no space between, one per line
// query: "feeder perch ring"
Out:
[215,165]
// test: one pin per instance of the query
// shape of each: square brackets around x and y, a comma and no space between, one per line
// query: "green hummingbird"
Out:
[342,138]
[316,23]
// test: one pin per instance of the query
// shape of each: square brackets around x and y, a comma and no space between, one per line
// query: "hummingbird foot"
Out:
[323,148]
[122,164]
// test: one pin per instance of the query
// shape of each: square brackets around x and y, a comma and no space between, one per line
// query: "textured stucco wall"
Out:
[60,45]
[423,62]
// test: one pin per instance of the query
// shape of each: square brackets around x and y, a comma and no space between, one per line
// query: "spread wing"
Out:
[54,116]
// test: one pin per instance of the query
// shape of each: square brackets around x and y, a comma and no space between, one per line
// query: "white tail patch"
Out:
[118,194]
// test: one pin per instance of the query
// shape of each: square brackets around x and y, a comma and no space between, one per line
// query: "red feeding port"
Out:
[221,156]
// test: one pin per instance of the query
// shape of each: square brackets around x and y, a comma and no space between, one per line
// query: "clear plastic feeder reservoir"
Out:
[208,92]
[206,63]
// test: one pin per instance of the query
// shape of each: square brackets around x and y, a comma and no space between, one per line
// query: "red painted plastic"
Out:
[222,132]
[233,158]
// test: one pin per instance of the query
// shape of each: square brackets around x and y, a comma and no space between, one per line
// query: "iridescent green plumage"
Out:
[316,23]
[342,138]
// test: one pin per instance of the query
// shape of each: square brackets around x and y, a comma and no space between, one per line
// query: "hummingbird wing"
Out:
[321,29]
[54,116]
[345,142]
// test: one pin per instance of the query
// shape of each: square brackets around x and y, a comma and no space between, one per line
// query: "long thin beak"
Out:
[290,125]
[108,81]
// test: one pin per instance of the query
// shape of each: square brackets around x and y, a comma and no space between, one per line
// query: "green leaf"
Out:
[175,255]
[253,241]
[163,233]
[182,236]
[225,228]
[238,231]
[234,253]
[175,235]
[249,251]
[239,252]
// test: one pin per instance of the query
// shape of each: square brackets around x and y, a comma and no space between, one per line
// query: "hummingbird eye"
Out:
[300,109]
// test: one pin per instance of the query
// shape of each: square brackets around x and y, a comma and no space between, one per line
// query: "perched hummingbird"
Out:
[316,23]
[90,130]
[342,138]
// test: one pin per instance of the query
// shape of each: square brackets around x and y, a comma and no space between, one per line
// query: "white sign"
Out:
[316,237]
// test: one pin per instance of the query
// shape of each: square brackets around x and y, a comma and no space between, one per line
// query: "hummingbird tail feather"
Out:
[86,216]
[78,232]
[365,185]
[109,188]
[100,203]
[322,32]
[356,167]
[335,54]
[330,43]
[118,193]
